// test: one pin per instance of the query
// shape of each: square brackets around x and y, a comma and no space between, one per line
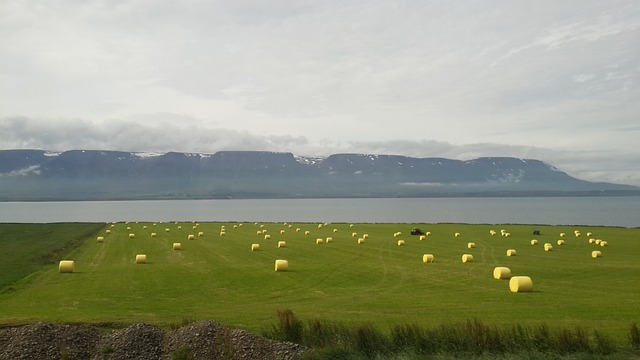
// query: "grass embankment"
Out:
[26,248]
[380,283]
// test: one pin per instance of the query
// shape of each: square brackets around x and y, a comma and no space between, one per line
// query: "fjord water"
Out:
[621,211]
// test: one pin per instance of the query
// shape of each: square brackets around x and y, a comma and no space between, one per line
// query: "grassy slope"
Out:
[219,278]
[25,248]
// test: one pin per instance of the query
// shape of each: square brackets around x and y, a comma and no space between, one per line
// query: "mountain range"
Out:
[39,175]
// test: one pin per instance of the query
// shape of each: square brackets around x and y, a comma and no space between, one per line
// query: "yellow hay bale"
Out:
[235,226]
[360,241]
[267,237]
[154,234]
[560,242]
[492,232]
[456,234]
[262,225]
[501,272]
[422,237]
[222,233]
[307,232]
[511,252]
[589,234]
[562,234]
[400,242]
[591,241]
[239,225]
[191,237]
[507,234]
[427,233]
[131,236]
[319,241]
[596,254]
[259,232]
[255,247]
[141,259]
[603,243]
[113,225]
[108,231]
[144,227]
[281,231]
[167,229]
[365,236]
[520,284]
[395,234]
[201,233]
[350,225]
[282,265]
[354,234]
[128,227]
[179,227]
[320,225]
[467,258]
[329,239]
[154,224]
[66,266]
[534,242]
[471,245]
[548,247]
[177,246]
[335,230]
[577,234]
[282,244]
[290,226]
[100,239]
[194,227]
[427,258]
[598,241]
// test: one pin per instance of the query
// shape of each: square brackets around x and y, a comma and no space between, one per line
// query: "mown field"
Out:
[219,278]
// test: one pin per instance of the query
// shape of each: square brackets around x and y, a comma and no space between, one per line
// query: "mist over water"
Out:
[608,211]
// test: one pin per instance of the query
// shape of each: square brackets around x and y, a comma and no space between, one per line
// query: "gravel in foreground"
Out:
[199,340]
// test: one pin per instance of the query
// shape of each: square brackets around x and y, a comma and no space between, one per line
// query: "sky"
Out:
[556,81]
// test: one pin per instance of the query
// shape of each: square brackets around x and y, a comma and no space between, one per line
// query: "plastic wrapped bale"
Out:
[471,245]
[400,242]
[282,265]
[520,284]
[511,252]
[282,244]
[255,247]
[501,272]
[177,246]
[534,242]
[427,258]
[66,266]
[141,259]
[467,258]
[596,254]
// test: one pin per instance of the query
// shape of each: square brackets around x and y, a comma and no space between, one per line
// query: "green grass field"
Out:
[219,278]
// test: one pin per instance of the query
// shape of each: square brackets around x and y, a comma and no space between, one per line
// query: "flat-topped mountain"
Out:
[105,175]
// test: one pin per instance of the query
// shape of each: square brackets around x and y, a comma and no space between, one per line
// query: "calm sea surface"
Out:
[609,211]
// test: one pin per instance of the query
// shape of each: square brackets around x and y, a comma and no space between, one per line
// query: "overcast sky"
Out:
[551,80]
